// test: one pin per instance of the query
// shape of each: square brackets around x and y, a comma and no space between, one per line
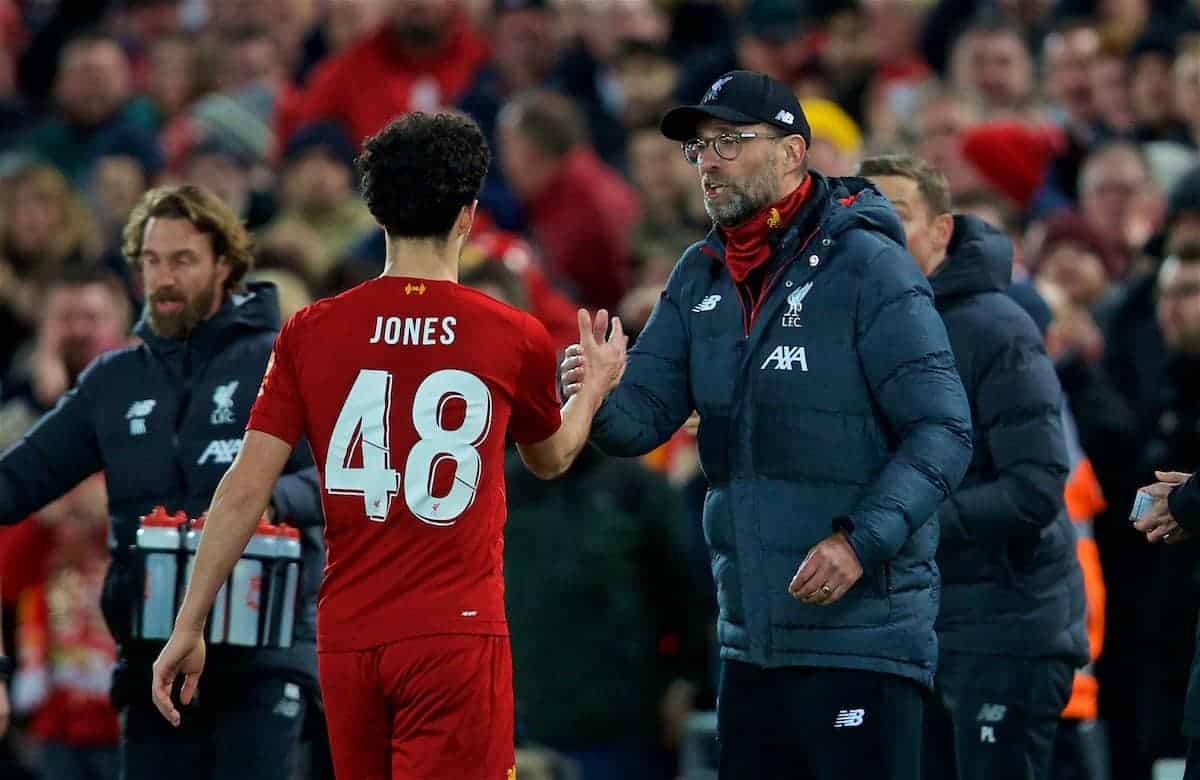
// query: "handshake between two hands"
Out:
[597,362]
[1156,522]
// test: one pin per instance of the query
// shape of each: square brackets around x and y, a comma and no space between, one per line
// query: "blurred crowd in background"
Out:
[1074,125]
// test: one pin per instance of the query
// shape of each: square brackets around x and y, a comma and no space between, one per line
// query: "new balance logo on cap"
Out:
[848,719]
[786,117]
[708,304]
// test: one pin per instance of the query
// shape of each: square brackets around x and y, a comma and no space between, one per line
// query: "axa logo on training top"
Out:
[783,356]
[138,411]
[222,413]
[708,304]
[795,303]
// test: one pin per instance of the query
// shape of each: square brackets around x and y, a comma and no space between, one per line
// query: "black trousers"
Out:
[994,717]
[243,727]
[1080,751]
[806,723]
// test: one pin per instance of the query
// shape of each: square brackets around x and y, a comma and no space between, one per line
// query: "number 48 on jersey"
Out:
[362,427]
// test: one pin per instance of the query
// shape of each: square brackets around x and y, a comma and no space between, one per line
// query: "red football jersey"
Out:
[405,389]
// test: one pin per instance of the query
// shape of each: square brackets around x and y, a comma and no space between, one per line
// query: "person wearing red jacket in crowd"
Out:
[487,242]
[64,655]
[424,56]
[580,212]
[555,310]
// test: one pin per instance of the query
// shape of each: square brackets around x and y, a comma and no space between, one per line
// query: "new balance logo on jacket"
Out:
[784,356]
[848,719]
[708,304]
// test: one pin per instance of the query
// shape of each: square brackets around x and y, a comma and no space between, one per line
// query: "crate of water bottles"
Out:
[255,607]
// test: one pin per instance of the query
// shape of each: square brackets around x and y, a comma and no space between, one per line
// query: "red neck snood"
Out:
[746,246]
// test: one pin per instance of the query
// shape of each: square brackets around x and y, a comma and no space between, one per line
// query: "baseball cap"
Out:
[743,97]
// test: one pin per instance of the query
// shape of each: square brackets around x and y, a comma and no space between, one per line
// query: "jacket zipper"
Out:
[749,316]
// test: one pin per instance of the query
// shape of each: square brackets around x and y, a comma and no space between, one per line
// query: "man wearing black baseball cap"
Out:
[833,425]
[741,97]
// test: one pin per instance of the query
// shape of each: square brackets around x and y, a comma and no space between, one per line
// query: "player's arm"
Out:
[276,424]
[239,502]
[654,398]
[604,362]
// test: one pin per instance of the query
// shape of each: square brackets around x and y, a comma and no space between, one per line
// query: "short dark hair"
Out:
[930,181]
[207,213]
[548,120]
[993,22]
[74,277]
[496,274]
[420,171]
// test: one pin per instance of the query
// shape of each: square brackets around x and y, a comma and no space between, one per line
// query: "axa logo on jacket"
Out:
[784,356]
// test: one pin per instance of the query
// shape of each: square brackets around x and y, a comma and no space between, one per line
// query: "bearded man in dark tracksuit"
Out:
[1011,627]
[163,420]
[833,424]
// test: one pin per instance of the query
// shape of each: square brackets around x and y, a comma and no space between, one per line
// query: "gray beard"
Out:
[747,199]
[740,207]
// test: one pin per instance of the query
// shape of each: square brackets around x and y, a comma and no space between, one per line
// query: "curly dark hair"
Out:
[419,172]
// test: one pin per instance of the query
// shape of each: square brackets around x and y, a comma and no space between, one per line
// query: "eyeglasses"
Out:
[726,145]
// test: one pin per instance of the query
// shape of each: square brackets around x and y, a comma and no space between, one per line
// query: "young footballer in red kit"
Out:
[407,387]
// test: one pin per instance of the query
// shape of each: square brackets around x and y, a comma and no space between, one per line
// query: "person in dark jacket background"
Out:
[1011,624]
[832,426]
[163,420]
[1174,515]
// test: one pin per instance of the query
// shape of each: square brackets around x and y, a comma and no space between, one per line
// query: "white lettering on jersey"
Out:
[414,331]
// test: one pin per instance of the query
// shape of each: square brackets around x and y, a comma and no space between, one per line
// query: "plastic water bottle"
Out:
[216,618]
[246,586]
[158,540]
[289,553]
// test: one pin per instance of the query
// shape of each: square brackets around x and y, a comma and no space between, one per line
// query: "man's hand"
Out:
[677,704]
[1157,522]
[596,362]
[829,570]
[183,654]
[5,709]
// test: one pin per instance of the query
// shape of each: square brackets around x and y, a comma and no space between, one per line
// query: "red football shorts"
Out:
[427,708]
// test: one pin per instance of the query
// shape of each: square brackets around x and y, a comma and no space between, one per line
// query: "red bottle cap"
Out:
[158,518]
[265,528]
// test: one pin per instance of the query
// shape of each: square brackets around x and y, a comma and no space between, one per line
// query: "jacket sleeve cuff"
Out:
[875,540]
